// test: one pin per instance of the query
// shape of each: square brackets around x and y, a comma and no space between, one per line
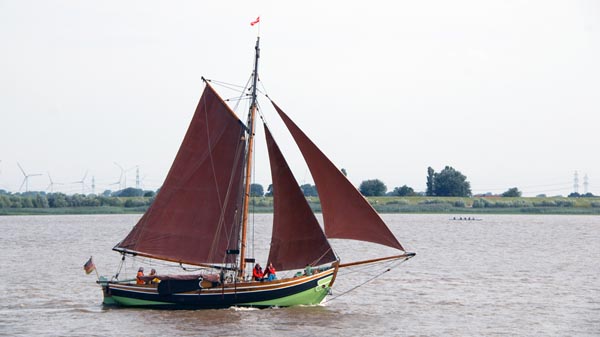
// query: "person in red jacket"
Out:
[257,273]
[270,272]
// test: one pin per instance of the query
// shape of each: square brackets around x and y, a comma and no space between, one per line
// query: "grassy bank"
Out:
[450,205]
[73,210]
[489,205]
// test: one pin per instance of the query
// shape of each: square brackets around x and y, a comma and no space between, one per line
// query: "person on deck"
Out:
[270,272]
[138,278]
[257,273]
[154,279]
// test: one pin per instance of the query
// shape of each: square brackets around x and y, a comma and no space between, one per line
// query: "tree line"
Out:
[449,182]
[128,198]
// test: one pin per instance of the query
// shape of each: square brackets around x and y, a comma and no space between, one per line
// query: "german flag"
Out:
[89,266]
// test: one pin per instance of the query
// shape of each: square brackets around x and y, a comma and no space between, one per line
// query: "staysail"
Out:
[297,238]
[195,216]
[346,213]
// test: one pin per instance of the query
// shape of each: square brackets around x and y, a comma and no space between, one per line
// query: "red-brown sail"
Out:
[297,238]
[346,213]
[194,218]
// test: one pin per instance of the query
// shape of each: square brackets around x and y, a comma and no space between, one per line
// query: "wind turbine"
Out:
[52,183]
[121,176]
[26,178]
[82,181]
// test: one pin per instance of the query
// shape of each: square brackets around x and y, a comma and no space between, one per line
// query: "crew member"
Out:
[257,273]
[270,272]
[140,274]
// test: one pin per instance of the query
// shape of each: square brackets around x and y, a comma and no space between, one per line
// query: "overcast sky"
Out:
[507,92]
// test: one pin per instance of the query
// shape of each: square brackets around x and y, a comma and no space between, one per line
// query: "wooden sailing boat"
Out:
[200,218]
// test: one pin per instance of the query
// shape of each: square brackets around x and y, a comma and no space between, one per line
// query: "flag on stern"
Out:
[89,266]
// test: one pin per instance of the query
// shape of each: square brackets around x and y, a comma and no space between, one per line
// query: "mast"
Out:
[248,177]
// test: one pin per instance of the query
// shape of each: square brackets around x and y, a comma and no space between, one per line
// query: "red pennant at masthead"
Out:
[255,21]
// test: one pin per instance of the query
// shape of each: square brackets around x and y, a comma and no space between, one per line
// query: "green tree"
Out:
[15,202]
[4,201]
[40,201]
[372,188]
[57,200]
[309,190]
[451,183]
[129,192]
[344,172]
[512,192]
[404,191]
[256,190]
[430,179]
[75,200]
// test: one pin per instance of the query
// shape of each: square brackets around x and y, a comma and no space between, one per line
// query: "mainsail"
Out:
[195,217]
[346,213]
[297,238]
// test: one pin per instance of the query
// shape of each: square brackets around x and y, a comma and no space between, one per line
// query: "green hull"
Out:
[308,297]
[132,302]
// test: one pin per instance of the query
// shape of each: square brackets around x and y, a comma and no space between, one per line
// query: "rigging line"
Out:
[238,156]
[221,221]
[242,94]
[261,115]
[347,271]
[236,99]
[116,276]
[323,255]
[241,91]
[362,267]
[264,91]
[368,280]
[233,87]
[221,83]
[214,175]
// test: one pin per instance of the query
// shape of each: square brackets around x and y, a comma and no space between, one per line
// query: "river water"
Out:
[505,275]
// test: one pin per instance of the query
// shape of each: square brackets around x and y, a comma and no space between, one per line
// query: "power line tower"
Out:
[93,185]
[137,177]
[576,182]
[585,184]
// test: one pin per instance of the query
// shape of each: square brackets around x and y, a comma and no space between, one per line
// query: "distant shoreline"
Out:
[384,205]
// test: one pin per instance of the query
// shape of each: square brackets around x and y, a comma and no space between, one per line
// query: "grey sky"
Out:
[507,92]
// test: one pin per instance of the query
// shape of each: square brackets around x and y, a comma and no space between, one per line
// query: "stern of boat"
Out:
[103,281]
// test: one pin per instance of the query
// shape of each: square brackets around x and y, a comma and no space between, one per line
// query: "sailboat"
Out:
[200,218]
